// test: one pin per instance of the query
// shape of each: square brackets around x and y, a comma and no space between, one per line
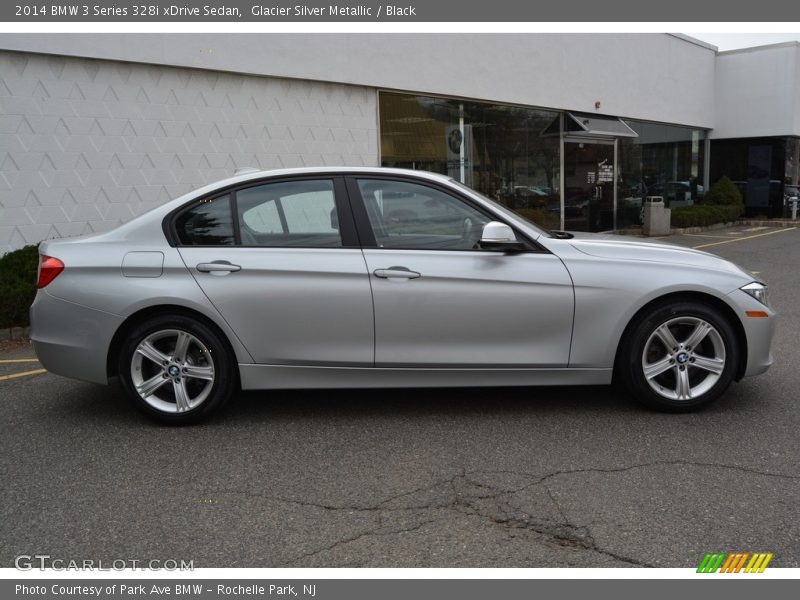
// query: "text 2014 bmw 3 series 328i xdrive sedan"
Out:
[368,277]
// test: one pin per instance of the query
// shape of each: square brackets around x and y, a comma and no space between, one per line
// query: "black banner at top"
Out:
[400,11]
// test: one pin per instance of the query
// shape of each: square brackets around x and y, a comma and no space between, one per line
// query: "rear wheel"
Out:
[679,356]
[176,370]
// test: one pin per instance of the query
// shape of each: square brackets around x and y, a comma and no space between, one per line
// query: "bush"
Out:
[17,285]
[724,193]
[722,203]
[703,215]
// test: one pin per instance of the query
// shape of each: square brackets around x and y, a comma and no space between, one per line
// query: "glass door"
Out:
[588,198]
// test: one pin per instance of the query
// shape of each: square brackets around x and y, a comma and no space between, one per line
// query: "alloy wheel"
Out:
[683,358]
[172,371]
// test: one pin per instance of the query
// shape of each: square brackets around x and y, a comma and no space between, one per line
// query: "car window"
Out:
[413,216]
[208,223]
[290,213]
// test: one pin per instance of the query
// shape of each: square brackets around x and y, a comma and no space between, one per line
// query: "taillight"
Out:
[49,268]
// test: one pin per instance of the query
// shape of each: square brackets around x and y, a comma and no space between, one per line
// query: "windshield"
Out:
[506,211]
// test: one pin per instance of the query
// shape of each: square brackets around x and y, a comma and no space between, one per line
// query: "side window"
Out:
[413,216]
[208,223]
[290,213]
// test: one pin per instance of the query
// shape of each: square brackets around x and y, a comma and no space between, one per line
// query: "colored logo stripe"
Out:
[734,563]
[711,562]
[758,563]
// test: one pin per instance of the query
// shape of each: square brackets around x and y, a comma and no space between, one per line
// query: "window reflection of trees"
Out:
[512,159]
[207,224]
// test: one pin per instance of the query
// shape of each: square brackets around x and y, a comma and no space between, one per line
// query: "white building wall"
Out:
[651,76]
[87,144]
[757,92]
[96,128]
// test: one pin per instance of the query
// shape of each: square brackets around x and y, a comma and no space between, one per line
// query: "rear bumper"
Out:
[70,339]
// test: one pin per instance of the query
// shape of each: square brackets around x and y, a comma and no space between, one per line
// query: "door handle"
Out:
[396,273]
[220,267]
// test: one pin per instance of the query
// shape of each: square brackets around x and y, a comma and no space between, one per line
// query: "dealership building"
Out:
[573,130]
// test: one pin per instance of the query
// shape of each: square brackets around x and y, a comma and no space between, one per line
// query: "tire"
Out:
[177,370]
[694,372]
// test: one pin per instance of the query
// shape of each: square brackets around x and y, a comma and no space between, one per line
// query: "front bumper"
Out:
[757,330]
[71,339]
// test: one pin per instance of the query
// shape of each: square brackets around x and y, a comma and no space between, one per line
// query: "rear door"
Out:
[280,261]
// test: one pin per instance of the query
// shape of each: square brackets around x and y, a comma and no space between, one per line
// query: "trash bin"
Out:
[656,218]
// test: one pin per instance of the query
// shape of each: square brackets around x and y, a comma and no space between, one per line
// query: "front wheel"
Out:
[176,370]
[679,357]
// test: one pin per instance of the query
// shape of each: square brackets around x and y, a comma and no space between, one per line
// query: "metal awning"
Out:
[584,124]
[587,125]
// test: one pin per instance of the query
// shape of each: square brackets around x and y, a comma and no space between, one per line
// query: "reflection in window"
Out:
[504,152]
[208,223]
[261,218]
[291,213]
[766,171]
[665,161]
[511,154]
[411,216]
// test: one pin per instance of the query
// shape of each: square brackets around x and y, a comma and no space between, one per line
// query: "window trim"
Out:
[347,227]
[237,233]
[367,236]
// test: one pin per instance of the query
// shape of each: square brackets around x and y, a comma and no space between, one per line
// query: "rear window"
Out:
[208,223]
[284,214]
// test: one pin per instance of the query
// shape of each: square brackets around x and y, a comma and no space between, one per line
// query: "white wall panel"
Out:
[758,92]
[652,76]
[87,144]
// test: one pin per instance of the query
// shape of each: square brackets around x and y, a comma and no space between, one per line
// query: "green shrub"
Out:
[724,193]
[703,215]
[17,285]
[722,203]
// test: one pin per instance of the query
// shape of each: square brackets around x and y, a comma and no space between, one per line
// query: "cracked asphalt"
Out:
[432,478]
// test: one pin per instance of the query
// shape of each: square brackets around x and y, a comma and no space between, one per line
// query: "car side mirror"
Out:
[500,237]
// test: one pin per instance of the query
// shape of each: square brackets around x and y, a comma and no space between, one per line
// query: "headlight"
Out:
[759,291]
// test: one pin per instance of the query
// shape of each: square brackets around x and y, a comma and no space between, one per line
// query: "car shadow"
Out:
[89,402]
[424,402]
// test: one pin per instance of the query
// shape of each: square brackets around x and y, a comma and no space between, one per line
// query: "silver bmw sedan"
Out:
[372,277]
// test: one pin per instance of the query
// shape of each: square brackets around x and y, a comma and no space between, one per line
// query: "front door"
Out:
[588,185]
[442,301]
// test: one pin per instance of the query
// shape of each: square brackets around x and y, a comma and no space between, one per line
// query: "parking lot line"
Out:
[703,235]
[23,374]
[741,239]
[18,360]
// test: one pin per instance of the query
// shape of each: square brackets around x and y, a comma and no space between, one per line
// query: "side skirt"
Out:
[257,377]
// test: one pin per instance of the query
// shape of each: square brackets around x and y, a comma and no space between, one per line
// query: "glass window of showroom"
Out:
[514,155]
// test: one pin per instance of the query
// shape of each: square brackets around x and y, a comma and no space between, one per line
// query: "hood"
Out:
[629,248]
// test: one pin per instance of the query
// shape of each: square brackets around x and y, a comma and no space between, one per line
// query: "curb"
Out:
[768,223]
[747,222]
[15,333]
[714,227]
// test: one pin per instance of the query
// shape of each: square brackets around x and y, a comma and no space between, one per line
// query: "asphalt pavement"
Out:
[517,477]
